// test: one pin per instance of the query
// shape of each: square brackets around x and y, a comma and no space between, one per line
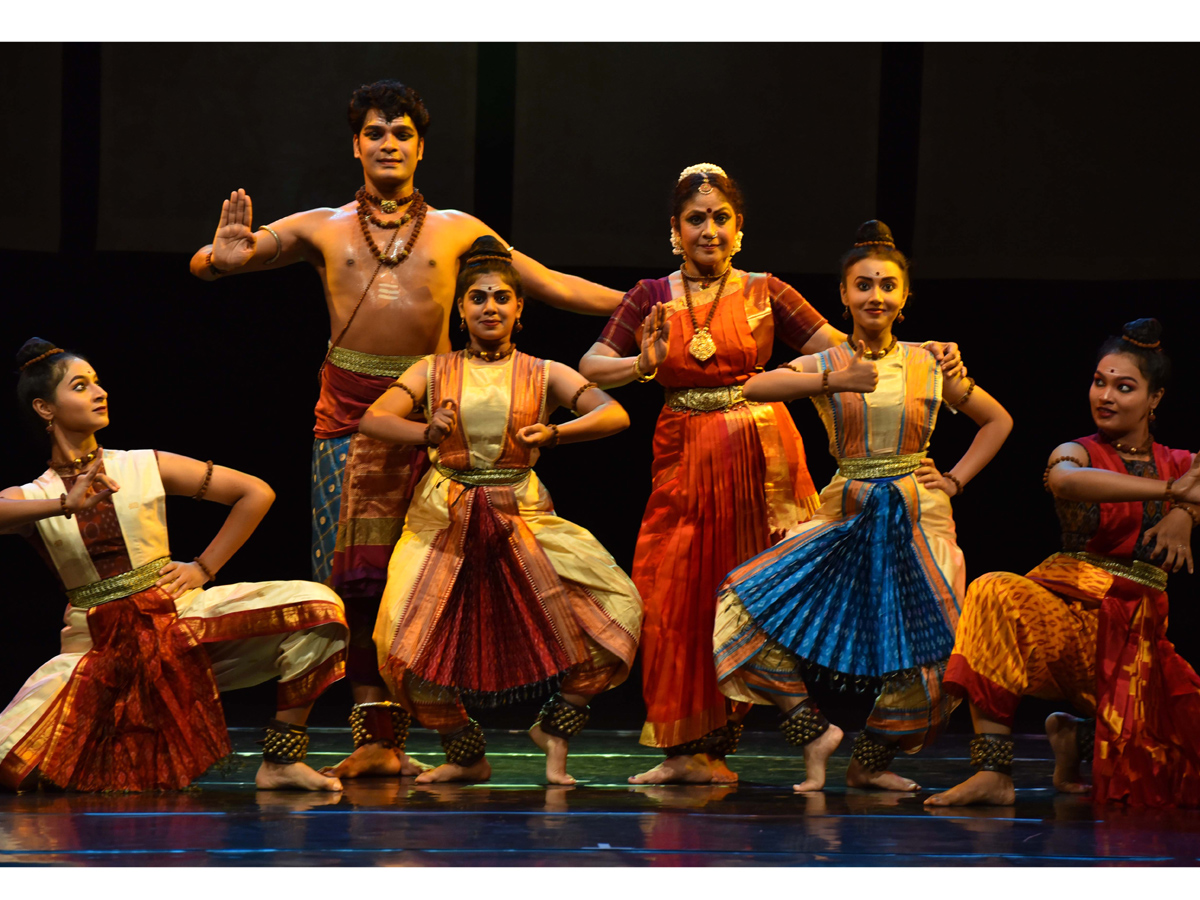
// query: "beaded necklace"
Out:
[702,346]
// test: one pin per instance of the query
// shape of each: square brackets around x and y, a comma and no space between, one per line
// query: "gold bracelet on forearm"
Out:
[639,374]
[278,243]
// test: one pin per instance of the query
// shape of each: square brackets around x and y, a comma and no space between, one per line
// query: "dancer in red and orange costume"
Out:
[131,703]
[1089,624]
[729,477]
[490,595]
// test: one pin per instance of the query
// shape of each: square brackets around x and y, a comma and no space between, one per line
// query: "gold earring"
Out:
[676,244]
[1152,416]
[845,312]
[737,245]
[899,318]
[50,426]
[462,324]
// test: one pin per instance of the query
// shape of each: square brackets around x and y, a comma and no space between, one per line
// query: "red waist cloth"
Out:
[344,398]
[141,711]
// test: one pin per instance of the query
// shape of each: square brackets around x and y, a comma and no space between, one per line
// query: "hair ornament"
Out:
[876,244]
[486,257]
[38,359]
[704,169]
[1157,345]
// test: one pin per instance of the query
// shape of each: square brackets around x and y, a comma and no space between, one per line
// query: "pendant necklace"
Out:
[702,346]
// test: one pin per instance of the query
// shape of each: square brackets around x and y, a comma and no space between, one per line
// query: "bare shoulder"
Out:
[461,226]
[12,493]
[1073,451]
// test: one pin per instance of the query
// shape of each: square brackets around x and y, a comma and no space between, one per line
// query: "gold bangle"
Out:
[639,374]
[278,243]
[203,568]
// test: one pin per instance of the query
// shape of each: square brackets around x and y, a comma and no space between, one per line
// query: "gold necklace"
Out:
[1125,448]
[490,355]
[880,354]
[702,346]
[76,465]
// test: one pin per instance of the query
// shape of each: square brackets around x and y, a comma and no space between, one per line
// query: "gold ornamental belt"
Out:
[370,364]
[124,585]
[483,477]
[704,399]
[863,468]
[1133,570]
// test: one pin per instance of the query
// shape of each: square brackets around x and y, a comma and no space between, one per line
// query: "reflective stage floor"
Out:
[517,820]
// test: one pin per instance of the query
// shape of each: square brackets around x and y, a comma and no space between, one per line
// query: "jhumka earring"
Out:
[737,244]
[1152,416]
[899,318]
[518,326]
[50,424]
[845,312]
[462,324]
[676,244]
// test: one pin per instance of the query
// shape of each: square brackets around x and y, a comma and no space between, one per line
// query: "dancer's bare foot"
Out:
[721,773]
[376,760]
[816,754]
[988,788]
[555,749]
[296,776]
[480,771]
[858,776]
[694,769]
[1060,728]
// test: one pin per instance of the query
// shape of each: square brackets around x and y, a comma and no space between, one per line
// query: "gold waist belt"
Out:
[1134,570]
[370,364]
[483,477]
[861,468]
[124,585]
[704,399]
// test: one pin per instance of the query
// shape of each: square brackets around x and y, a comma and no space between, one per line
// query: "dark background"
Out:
[1046,193]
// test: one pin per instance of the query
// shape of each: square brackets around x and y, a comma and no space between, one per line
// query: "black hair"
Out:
[486,255]
[687,187]
[392,99]
[39,380]
[1142,339]
[874,240]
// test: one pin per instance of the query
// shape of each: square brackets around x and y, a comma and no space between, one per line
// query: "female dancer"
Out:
[132,702]
[1089,624]
[490,595]
[868,590]
[729,477]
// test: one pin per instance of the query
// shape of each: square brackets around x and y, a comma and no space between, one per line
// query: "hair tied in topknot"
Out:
[37,359]
[875,244]
[1144,333]
[874,233]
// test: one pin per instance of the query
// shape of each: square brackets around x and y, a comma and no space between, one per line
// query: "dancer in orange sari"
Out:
[490,595]
[729,477]
[1089,624]
[131,703]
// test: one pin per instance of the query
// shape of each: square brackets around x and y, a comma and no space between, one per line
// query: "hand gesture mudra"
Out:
[859,377]
[1187,486]
[442,422]
[234,243]
[536,435]
[930,478]
[656,333]
[81,497]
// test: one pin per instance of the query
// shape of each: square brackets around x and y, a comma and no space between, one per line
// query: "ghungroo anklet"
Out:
[718,743]
[466,746]
[992,753]
[383,722]
[803,725]
[284,742]
[561,718]
[1085,739]
[872,754]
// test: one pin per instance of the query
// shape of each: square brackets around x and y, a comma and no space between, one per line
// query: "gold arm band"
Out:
[278,243]
[370,364]
[124,585]
[1131,570]
[705,399]
[862,468]
[483,477]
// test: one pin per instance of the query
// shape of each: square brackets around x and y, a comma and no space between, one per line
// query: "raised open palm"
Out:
[234,242]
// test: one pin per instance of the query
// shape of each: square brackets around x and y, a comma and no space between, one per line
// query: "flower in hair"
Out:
[701,169]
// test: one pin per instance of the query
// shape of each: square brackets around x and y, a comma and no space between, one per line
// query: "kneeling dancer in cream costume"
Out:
[490,595]
[132,701]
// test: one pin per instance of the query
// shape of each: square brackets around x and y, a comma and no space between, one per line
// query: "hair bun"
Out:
[486,246]
[1143,333]
[874,232]
[32,349]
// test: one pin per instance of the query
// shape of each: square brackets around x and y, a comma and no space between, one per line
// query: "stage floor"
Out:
[515,820]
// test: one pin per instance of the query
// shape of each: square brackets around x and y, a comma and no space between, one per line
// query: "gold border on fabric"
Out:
[1136,571]
[124,585]
[704,399]
[484,477]
[865,467]
[370,364]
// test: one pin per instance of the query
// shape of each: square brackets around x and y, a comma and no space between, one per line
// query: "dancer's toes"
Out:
[859,776]
[296,776]
[816,755]
[374,759]
[555,749]
[411,766]
[677,770]
[479,771]
[986,788]
[721,773]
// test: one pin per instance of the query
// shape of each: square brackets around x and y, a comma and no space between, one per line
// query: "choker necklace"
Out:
[387,206]
[702,346]
[490,355]
[1125,448]
[416,211]
[704,280]
[880,354]
[75,466]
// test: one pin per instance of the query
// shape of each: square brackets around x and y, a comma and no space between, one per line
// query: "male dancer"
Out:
[388,263]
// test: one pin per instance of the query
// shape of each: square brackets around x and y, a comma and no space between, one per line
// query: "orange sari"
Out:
[727,484]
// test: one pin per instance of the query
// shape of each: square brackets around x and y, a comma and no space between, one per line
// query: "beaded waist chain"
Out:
[124,585]
[862,468]
[704,399]
[1133,570]
[483,477]
[370,364]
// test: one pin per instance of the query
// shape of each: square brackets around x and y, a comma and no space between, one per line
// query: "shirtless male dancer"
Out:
[388,263]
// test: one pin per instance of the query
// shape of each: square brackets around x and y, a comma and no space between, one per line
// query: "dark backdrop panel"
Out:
[604,130]
[1058,161]
[31,125]
[185,124]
